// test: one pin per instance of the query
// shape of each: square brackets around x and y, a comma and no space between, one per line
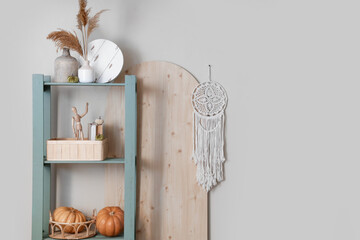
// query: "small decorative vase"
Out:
[65,66]
[86,73]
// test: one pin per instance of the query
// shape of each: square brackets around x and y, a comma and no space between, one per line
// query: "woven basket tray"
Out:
[56,229]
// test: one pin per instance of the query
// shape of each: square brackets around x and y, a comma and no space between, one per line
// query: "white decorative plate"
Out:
[106,59]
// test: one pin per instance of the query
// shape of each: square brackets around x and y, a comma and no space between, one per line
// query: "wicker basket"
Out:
[56,229]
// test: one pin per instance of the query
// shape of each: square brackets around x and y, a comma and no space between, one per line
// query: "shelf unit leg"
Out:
[38,158]
[47,168]
[46,204]
[41,174]
[130,157]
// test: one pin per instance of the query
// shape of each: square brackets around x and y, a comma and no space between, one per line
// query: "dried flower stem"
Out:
[66,39]
[85,24]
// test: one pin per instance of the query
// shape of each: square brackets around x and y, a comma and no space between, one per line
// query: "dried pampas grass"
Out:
[66,39]
[94,22]
[85,24]
[83,14]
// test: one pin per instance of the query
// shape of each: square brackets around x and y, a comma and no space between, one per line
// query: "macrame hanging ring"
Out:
[209,99]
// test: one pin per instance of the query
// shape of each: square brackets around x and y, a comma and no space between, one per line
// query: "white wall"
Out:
[291,69]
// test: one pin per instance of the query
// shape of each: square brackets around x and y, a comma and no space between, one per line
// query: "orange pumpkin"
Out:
[69,215]
[110,221]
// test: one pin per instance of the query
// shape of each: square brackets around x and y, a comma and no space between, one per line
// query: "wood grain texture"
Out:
[170,204]
[67,149]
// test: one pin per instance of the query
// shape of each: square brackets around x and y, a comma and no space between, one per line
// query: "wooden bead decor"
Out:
[74,230]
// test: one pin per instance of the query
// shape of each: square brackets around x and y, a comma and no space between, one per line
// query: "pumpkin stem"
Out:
[112,213]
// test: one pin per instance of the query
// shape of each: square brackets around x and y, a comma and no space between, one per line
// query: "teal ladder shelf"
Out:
[42,168]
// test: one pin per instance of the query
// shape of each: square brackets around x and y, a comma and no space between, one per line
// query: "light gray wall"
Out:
[291,69]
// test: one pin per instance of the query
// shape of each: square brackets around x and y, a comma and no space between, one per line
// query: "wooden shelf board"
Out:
[98,237]
[109,160]
[83,84]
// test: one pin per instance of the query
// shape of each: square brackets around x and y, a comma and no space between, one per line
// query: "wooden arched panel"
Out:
[170,204]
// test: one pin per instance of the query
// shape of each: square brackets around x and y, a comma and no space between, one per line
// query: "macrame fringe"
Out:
[209,149]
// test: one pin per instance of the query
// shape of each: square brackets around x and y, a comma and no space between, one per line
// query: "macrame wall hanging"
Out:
[209,101]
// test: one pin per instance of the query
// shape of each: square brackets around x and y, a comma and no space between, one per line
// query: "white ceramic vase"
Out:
[86,73]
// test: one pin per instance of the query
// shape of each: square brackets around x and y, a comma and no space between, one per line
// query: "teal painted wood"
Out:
[38,157]
[130,156]
[98,237]
[106,161]
[47,169]
[42,169]
[85,84]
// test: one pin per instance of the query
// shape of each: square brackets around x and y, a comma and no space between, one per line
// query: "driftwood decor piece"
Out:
[56,229]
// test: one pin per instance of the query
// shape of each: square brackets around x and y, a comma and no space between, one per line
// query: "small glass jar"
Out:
[92,131]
